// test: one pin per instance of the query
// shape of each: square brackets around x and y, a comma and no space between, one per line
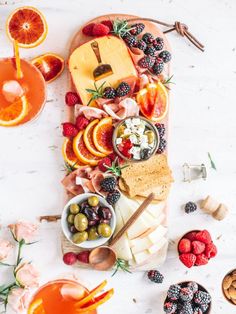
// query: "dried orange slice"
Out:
[92,294]
[36,307]
[102,136]
[27,26]
[69,155]
[153,101]
[81,151]
[14,113]
[88,139]
[50,65]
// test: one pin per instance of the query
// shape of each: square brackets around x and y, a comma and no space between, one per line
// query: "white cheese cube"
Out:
[141,257]
[156,247]
[118,140]
[136,121]
[127,131]
[133,139]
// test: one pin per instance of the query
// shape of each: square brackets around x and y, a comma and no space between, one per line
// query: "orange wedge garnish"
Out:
[153,101]
[14,113]
[102,136]
[88,139]
[50,65]
[69,155]
[27,26]
[81,151]
[92,294]
[36,307]
[19,73]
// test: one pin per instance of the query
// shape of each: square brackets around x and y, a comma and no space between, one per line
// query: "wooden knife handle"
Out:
[96,51]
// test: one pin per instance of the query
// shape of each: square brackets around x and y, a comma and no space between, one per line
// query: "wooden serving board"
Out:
[78,40]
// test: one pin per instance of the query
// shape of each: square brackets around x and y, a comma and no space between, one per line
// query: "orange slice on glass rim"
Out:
[50,65]
[36,307]
[69,155]
[27,26]
[14,113]
[153,101]
[102,136]
[92,294]
[81,151]
[88,139]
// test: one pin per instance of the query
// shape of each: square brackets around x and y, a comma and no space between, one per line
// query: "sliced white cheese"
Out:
[139,245]
[141,257]
[156,247]
[156,209]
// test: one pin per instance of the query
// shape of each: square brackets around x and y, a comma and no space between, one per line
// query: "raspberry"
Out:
[69,258]
[202,297]
[193,286]
[88,29]
[211,250]
[100,30]
[81,122]
[114,156]
[104,164]
[188,259]
[83,257]
[184,246]
[191,235]
[201,259]
[204,236]
[198,247]
[173,292]
[170,307]
[108,23]
[69,129]
[72,99]
[186,294]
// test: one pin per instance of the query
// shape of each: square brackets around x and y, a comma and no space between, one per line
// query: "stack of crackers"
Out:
[142,178]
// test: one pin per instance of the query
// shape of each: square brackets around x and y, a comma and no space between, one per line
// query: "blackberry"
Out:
[130,40]
[137,28]
[123,89]
[186,294]
[170,307]
[150,51]
[193,286]
[165,56]
[161,129]
[108,184]
[146,62]
[190,207]
[109,93]
[158,66]
[162,146]
[145,153]
[155,276]
[197,310]
[186,309]
[204,307]
[173,292]
[148,38]
[202,298]
[113,197]
[141,45]
[158,43]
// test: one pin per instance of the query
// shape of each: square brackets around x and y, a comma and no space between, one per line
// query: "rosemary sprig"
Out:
[96,93]
[168,80]
[213,166]
[121,264]
[70,168]
[115,168]
[120,27]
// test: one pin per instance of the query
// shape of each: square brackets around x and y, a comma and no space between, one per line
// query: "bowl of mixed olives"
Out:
[88,220]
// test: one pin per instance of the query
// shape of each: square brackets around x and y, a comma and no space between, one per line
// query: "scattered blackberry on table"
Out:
[130,40]
[158,66]
[161,129]
[186,294]
[197,310]
[162,146]
[193,286]
[108,184]
[145,153]
[113,197]
[170,307]
[109,92]
[137,28]
[158,43]
[190,207]
[186,309]
[123,89]
[146,62]
[155,276]
[141,45]
[148,38]
[202,298]
[173,292]
[165,56]
[150,51]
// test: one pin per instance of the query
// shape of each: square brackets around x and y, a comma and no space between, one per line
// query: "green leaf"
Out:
[121,264]
[213,166]
[168,80]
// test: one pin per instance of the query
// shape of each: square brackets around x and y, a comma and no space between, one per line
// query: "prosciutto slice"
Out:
[126,108]
[89,112]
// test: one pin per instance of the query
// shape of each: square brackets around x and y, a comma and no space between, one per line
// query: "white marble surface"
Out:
[203,118]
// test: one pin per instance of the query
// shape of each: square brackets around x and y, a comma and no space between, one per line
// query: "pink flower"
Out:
[23,230]
[27,275]
[5,248]
[18,299]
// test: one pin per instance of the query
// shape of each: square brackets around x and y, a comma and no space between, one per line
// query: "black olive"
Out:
[104,213]
[73,229]
[90,214]
[92,222]
[104,221]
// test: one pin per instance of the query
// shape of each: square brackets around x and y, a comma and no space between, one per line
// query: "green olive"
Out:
[104,230]
[80,237]
[93,200]
[70,219]
[74,209]
[93,234]
[81,222]
[150,136]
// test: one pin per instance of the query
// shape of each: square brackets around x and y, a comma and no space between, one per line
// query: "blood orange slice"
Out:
[153,101]
[92,294]
[88,139]
[50,65]
[36,307]
[102,136]
[81,151]
[27,26]
[14,113]
[69,155]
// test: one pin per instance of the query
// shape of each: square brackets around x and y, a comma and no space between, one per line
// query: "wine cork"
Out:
[221,212]
[209,205]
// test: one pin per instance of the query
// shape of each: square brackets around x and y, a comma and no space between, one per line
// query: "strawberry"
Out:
[108,23]
[100,30]
[188,259]
[201,259]
[69,129]
[114,156]
[88,29]
[81,122]
[69,258]
[104,163]
[83,257]
[184,246]
[203,236]
[72,99]
[191,235]
[198,247]
[211,250]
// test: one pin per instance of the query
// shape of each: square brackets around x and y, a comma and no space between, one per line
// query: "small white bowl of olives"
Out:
[88,221]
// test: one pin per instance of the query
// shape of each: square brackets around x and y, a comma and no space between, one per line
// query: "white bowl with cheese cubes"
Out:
[135,139]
